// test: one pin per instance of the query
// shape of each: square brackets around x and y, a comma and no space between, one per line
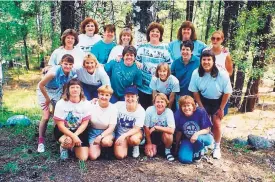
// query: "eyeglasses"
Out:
[215,38]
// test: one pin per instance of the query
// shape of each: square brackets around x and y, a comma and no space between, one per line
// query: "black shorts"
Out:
[211,105]
[156,138]
[83,136]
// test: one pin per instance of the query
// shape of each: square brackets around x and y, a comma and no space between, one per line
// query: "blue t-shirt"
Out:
[166,87]
[166,119]
[209,87]
[184,72]
[174,48]
[101,50]
[150,56]
[192,124]
[122,76]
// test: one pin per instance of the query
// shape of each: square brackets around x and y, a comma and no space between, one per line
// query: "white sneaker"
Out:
[41,148]
[135,152]
[217,153]
[64,153]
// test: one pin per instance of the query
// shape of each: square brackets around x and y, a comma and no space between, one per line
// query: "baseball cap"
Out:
[131,90]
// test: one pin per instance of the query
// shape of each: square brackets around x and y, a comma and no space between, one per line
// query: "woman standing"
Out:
[89,36]
[211,89]
[49,91]
[103,122]
[92,76]
[130,120]
[125,39]
[69,39]
[186,32]
[149,55]
[72,117]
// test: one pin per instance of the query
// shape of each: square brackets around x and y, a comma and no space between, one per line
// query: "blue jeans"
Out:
[90,91]
[187,149]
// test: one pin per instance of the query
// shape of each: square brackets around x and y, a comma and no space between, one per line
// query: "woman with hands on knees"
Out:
[192,130]
[49,91]
[72,117]
[130,120]
[159,127]
[103,122]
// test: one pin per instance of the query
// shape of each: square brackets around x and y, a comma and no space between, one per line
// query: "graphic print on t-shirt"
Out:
[126,121]
[189,128]
[71,120]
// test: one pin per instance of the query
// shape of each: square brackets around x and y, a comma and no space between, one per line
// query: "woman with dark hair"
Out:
[149,55]
[72,116]
[69,40]
[186,32]
[211,89]
[125,39]
[88,36]
[49,91]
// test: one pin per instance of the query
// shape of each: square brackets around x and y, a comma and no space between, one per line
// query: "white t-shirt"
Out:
[167,87]
[59,53]
[166,119]
[72,114]
[101,118]
[86,43]
[115,52]
[97,78]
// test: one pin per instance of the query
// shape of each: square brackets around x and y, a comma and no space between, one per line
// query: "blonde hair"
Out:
[125,31]
[220,33]
[163,66]
[105,89]
[91,57]
[162,97]
[186,99]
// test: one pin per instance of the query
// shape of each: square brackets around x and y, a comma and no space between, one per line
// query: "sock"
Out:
[217,145]
[41,140]
[167,151]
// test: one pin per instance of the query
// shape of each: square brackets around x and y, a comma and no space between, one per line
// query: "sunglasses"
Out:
[216,38]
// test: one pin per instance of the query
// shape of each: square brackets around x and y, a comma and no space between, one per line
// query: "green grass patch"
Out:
[10,167]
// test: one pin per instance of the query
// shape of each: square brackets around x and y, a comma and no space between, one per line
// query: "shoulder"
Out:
[173,78]
[80,36]
[61,102]
[99,43]
[223,73]
[169,111]
[195,72]
[120,104]
[97,36]
[140,109]
[150,109]
[198,42]
[154,79]
[175,42]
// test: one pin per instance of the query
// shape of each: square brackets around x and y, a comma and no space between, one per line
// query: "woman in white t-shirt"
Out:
[125,39]
[72,116]
[89,36]
[103,122]
[130,120]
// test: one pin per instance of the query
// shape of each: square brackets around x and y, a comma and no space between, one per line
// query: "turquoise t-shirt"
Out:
[174,49]
[122,76]
[184,72]
[101,50]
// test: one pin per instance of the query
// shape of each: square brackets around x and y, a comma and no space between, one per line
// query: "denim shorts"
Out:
[93,133]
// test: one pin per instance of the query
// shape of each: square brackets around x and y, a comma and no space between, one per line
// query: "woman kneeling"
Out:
[72,116]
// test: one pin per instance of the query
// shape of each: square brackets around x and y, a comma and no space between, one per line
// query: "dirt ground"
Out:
[19,160]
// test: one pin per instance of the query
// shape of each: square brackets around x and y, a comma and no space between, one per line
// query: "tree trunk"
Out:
[251,95]
[67,15]
[143,15]
[172,20]
[189,10]
[208,21]
[79,13]
[26,51]
[219,15]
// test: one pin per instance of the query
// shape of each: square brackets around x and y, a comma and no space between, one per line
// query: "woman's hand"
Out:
[98,140]
[149,149]
[46,104]
[194,138]
[152,130]
[94,100]
[139,65]
[220,113]
[76,140]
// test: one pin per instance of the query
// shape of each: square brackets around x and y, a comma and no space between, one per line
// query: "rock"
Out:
[259,142]
[240,141]
[18,120]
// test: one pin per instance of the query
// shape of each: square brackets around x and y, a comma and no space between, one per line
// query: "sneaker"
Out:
[135,152]
[170,157]
[41,148]
[197,156]
[64,153]
[217,153]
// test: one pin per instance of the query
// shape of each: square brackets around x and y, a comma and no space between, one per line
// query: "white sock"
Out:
[217,145]
[167,150]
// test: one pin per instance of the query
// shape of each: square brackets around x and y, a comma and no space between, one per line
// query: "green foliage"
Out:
[10,167]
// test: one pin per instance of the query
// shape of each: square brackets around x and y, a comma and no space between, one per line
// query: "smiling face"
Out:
[131,99]
[129,59]
[186,33]
[69,41]
[154,35]
[163,74]
[90,29]
[160,104]
[216,40]
[74,91]
[186,54]
[188,109]
[90,65]
[66,67]
[126,39]
[104,98]
[207,63]
[108,36]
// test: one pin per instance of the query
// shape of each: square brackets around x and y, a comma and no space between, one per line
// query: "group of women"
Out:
[117,95]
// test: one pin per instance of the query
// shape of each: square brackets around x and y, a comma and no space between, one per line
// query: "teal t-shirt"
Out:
[184,73]
[122,76]
[101,50]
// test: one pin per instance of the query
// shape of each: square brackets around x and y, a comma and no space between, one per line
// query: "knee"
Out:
[107,143]
[83,157]
[92,156]
[120,156]
[184,160]
[134,141]
[167,137]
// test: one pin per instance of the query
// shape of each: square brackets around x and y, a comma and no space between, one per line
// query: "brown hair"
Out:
[152,26]
[186,99]
[90,56]
[74,81]
[162,96]
[87,21]
[218,32]
[187,24]
[164,66]
[125,31]
[105,89]
[109,27]
[71,32]
[68,58]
